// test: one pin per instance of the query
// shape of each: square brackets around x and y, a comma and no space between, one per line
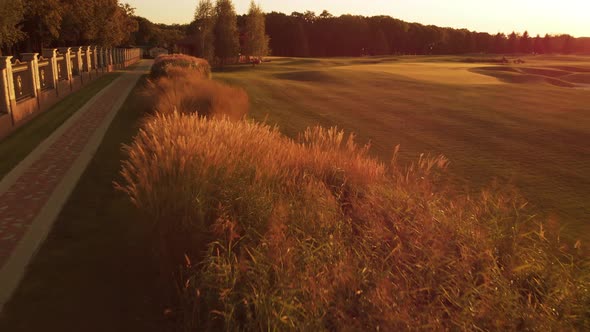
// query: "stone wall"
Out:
[32,86]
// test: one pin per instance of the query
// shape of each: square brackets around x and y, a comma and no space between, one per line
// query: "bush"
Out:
[191,65]
[314,234]
[183,92]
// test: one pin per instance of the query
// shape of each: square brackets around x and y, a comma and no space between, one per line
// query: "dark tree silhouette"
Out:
[353,35]
[525,43]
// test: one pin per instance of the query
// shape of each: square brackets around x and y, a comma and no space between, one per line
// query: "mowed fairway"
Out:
[526,124]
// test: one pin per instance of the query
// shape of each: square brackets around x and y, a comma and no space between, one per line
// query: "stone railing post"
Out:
[95,58]
[110,60]
[100,51]
[33,71]
[7,87]
[105,59]
[77,64]
[87,60]
[68,61]
[51,55]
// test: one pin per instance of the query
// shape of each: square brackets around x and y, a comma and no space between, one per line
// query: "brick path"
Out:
[25,198]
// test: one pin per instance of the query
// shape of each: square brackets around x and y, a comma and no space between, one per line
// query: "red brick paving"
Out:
[23,201]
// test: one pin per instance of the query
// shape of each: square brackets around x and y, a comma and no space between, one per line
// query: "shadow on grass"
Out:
[233,68]
[523,75]
[93,273]
[308,76]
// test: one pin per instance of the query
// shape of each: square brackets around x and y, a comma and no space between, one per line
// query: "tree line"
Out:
[31,25]
[217,32]
[308,34]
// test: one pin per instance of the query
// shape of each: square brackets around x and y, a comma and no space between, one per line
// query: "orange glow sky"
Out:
[536,16]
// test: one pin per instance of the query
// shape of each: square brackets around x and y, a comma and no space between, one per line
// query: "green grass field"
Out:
[524,124]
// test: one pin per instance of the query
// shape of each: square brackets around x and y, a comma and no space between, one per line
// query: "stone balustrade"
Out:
[36,83]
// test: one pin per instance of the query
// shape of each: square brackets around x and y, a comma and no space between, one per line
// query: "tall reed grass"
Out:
[314,234]
[187,93]
[189,64]
[181,83]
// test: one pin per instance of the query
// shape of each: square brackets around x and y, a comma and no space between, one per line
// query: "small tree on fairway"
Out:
[205,20]
[256,38]
[227,41]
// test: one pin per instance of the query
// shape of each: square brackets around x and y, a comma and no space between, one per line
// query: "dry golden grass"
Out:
[190,65]
[184,92]
[314,234]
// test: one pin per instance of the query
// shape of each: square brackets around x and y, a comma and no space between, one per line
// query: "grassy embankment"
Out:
[315,234]
[517,123]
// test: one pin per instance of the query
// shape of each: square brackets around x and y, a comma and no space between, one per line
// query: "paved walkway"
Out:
[33,193]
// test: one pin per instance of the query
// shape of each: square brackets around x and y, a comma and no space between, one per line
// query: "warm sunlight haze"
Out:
[284,165]
[536,16]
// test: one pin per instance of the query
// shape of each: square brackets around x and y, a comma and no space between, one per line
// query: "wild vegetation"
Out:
[300,227]
[193,66]
[31,25]
[34,25]
[214,34]
[307,34]
[516,123]
[260,231]
[181,83]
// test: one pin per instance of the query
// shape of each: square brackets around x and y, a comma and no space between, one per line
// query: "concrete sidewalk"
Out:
[34,192]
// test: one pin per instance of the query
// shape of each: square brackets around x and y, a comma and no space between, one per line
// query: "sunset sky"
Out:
[536,16]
